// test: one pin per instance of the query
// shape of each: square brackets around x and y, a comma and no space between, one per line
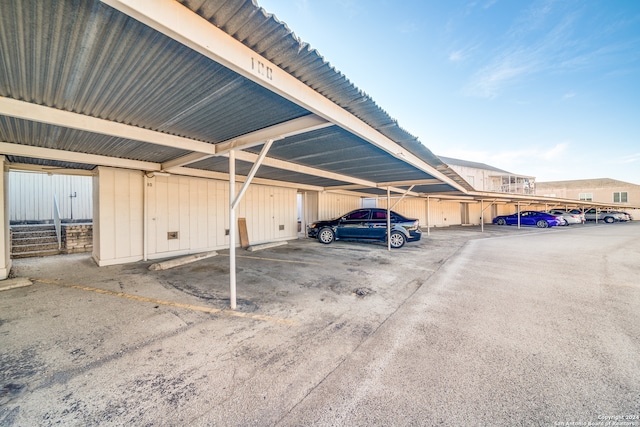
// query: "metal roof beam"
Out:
[181,24]
[410,183]
[361,187]
[11,149]
[49,169]
[39,113]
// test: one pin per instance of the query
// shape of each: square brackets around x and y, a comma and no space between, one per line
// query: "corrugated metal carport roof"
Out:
[99,67]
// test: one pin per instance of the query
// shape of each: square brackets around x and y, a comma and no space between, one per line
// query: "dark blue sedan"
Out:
[539,219]
[367,224]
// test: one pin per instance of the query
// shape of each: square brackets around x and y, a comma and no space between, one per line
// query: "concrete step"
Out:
[34,247]
[35,237]
[33,240]
[36,253]
[32,227]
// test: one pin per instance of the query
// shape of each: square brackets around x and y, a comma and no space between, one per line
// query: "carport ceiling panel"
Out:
[99,62]
[60,138]
[335,150]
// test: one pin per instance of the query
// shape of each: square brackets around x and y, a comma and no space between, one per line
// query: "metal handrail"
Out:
[56,221]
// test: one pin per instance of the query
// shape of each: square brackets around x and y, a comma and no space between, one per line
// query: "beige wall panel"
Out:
[409,207]
[198,210]
[309,208]
[474,176]
[266,209]
[185,213]
[96,218]
[5,256]
[199,225]
[332,205]
[474,213]
[221,212]
[444,214]
[602,190]
[119,216]
[505,209]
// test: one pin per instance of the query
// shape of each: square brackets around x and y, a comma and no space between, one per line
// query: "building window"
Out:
[586,196]
[620,197]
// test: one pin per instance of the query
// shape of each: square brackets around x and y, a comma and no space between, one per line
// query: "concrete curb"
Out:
[176,262]
[265,246]
[19,282]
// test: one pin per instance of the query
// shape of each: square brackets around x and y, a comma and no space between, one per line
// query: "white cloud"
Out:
[631,158]
[540,41]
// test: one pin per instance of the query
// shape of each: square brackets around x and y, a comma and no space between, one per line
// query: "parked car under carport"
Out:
[539,219]
[369,224]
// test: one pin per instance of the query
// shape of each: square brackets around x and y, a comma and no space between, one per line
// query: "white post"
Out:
[145,216]
[428,217]
[481,216]
[518,214]
[5,233]
[389,219]
[232,230]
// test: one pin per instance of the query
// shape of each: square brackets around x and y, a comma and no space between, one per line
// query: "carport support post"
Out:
[233,204]
[232,230]
[389,219]
[428,217]
[481,216]
[518,214]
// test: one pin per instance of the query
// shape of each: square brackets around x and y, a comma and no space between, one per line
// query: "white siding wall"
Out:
[505,210]
[197,209]
[444,214]
[331,205]
[474,213]
[118,218]
[5,256]
[31,196]
[477,178]
[409,207]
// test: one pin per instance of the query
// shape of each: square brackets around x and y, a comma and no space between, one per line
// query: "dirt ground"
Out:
[122,345]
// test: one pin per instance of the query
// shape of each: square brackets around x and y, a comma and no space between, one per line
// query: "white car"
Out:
[569,218]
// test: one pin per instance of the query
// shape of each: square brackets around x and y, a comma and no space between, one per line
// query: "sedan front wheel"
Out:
[501,221]
[326,235]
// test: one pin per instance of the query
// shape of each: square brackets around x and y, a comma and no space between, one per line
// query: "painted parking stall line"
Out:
[203,309]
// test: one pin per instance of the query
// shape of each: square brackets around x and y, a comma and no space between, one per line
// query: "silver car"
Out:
[605,216]
[569,218]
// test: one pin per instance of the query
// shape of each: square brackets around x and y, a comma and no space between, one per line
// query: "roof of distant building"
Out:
[582,183]
[477,165]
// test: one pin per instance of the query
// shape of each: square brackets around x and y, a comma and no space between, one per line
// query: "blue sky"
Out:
[545,88]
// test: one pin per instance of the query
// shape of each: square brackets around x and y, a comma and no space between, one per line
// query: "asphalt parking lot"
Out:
[506,327]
